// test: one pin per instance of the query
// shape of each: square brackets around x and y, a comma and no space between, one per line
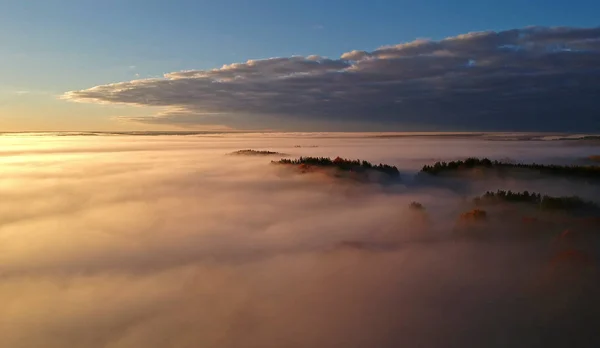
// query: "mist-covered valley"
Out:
[124,240]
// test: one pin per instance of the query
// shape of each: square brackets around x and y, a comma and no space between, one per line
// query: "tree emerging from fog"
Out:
[416,206]
[250,152]
[543,202]
[575,171]
[342,164]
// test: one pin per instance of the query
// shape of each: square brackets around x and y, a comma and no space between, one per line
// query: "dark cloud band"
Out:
[534,78]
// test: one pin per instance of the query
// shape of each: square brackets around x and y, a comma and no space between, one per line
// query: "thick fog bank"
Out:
[167,241]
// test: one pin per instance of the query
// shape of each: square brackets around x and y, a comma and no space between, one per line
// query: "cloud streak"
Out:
[507,80]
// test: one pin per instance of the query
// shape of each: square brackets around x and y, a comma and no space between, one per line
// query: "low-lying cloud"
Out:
[535,78]
[180,245]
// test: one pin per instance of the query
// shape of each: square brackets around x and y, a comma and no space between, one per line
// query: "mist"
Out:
[166,241]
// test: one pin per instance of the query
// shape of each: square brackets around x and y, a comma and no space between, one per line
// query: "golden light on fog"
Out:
[166,241]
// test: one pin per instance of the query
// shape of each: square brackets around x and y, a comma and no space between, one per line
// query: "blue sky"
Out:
[56,46]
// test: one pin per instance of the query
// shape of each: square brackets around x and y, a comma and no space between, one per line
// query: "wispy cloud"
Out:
[21,92]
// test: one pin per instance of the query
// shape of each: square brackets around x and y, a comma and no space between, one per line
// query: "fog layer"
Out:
[166,241]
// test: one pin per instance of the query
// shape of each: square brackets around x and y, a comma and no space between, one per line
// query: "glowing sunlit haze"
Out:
[169,241]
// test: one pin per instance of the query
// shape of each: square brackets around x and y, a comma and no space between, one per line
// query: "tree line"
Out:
[251,152]
[592,172]
[342,164]
[543,202]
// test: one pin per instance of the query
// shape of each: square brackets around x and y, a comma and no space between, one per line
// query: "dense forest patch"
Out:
[456,167]
[250,152]
[341,167]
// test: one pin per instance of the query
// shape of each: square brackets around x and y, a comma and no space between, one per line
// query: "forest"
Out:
[542,202]
[574,171]
[342,164]
[250,152]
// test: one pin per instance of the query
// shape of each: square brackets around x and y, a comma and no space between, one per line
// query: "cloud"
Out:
[26,92]
[165,241]
[535,78]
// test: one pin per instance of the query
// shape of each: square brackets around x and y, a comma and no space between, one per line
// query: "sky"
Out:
[55,52]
